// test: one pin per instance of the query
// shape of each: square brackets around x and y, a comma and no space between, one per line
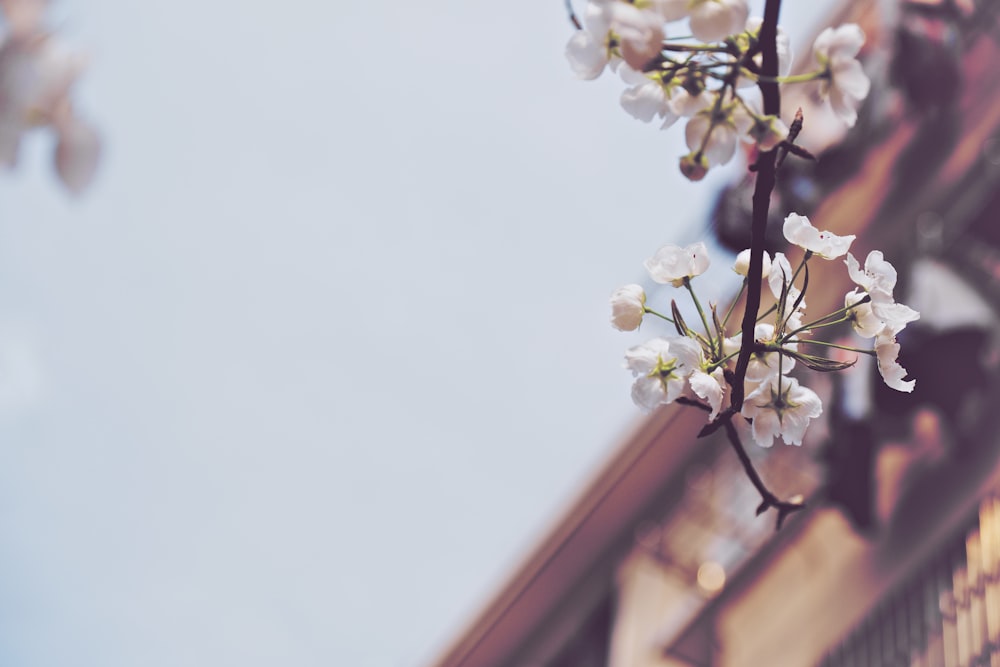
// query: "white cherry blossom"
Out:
[800,231]
[844,80]
[628,305]
[781,407]
[639,31]
[878,280]
[877,277]
[764,366]
[713,135]
[864,321]
[661,367]
[672,264]
[590,50]
[647,98]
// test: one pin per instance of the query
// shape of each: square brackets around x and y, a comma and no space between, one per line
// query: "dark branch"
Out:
[761,196]
[768,499]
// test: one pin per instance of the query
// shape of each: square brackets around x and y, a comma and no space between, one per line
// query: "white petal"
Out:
[850,78]
[798,230]
[672,10]
[647,393]
[894,315]
[765,427]
[686,105]
[671,263]
[887,351]
[644,102]
[710,388]
[687,352]
[721,145]
[643,359]
[714,20]
[586,55]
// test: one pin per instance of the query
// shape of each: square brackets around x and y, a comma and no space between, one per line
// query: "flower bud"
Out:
[742,264]
[628,305]
[694,166]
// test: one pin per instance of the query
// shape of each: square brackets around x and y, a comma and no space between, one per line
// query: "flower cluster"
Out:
[708,81]
[37,73]
[698,362]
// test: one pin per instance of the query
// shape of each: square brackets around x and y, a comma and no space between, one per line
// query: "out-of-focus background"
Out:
[324,350]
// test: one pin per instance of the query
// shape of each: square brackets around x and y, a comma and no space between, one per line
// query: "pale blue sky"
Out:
[325,350]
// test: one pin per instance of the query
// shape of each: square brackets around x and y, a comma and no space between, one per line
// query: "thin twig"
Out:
[572,15]
[768,499]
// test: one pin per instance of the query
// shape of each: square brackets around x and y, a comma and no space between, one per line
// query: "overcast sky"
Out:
[325,349]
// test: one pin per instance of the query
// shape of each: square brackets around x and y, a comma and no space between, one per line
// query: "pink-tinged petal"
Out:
[640,34]
[714,20]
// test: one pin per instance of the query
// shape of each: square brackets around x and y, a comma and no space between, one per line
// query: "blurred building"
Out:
[896,561]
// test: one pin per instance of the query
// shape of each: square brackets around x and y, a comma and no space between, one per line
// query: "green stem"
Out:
[721,362]
[822,322]
[839,347]
[794,78]
[767,312]
[701,313]
[660,315]
[732,305]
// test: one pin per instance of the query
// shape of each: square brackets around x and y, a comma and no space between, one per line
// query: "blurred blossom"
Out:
[37,73]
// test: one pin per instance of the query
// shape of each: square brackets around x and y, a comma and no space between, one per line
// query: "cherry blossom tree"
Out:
[722,75]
